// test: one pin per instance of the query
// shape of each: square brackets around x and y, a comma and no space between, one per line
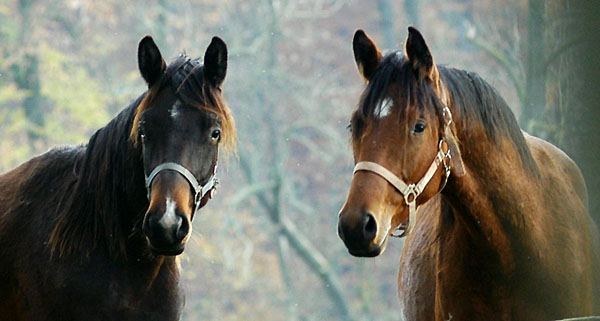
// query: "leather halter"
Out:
[178,78]
[413,190]
[199,190]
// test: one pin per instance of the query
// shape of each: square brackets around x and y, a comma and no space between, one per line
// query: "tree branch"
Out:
[502,61]
[318,263]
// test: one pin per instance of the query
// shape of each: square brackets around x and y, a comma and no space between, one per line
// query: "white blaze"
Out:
[384,108]
[175,109]
[169,218]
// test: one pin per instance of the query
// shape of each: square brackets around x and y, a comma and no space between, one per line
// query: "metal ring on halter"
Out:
[411,191]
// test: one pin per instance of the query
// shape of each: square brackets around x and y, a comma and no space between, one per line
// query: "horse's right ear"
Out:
[150,61]
[215,61]
[366,54]
[420,57]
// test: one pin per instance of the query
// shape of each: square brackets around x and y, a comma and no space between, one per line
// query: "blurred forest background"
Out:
[266,247]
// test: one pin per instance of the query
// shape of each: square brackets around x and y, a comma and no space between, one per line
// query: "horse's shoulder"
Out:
[36,178]
[58,157]
[555,163]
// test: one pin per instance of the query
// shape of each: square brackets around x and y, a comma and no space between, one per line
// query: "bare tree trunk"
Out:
[27,77]
[269,197]
[318,263]
[581,130]
[275,208]
[386,14]
[534,107]
[300,243]
[161,23]
[412,12]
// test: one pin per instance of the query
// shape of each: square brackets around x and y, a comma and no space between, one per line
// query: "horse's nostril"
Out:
[370,227]
[340,231]
[182,230]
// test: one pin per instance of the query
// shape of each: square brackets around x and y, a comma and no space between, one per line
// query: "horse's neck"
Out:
[122,166]
[109,190]
[494,196]
[127,192]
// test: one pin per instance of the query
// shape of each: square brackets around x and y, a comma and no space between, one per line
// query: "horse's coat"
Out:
[508,238]
[81,238]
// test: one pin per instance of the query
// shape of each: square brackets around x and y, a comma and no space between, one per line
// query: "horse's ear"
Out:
[215,62]
[366,54]
[419,56]
[456,162]
[150,61]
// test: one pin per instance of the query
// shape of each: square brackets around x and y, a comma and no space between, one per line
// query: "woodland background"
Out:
[266,247]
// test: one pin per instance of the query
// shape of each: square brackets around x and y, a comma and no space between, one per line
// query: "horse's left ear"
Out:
[456,162]
[419,56]
[150,61]
[215,62]
[366,54]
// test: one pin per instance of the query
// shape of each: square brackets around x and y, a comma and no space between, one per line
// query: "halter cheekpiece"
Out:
[410,192]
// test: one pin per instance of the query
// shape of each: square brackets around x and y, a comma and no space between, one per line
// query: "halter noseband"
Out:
[199,190]
[412,191]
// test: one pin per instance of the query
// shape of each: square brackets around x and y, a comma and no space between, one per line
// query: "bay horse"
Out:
[497,220]
[92,232]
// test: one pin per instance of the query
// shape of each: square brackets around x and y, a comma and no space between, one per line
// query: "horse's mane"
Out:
[92,211]
[475,102]
[110,170]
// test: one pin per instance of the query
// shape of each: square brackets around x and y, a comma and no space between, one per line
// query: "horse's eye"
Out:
[215,135]
[419,128]
[349,127]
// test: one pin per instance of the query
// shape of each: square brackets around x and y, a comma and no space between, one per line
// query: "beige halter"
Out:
[412,191]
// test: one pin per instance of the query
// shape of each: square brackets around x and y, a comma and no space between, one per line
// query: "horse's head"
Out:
[180,124]
[401,133]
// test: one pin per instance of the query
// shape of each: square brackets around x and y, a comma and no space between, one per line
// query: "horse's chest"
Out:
[107,293]
[446,278]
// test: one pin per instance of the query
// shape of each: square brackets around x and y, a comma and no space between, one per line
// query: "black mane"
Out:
[107,174]
[474,101]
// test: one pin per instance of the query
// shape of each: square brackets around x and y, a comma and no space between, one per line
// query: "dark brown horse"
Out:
[506,236]
[92,232]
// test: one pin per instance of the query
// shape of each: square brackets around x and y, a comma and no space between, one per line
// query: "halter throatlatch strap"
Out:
[199,190]
[412,191]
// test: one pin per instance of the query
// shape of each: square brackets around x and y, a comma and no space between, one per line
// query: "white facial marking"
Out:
[169,218]
[175,109]
[384,108]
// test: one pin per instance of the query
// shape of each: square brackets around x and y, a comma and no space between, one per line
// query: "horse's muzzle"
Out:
[168,233]
[359,237]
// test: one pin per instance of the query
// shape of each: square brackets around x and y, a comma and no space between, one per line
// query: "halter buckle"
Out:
[446,158]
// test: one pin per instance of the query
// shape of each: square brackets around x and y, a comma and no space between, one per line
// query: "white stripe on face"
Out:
[384,108]
[174,111]
[169,218]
